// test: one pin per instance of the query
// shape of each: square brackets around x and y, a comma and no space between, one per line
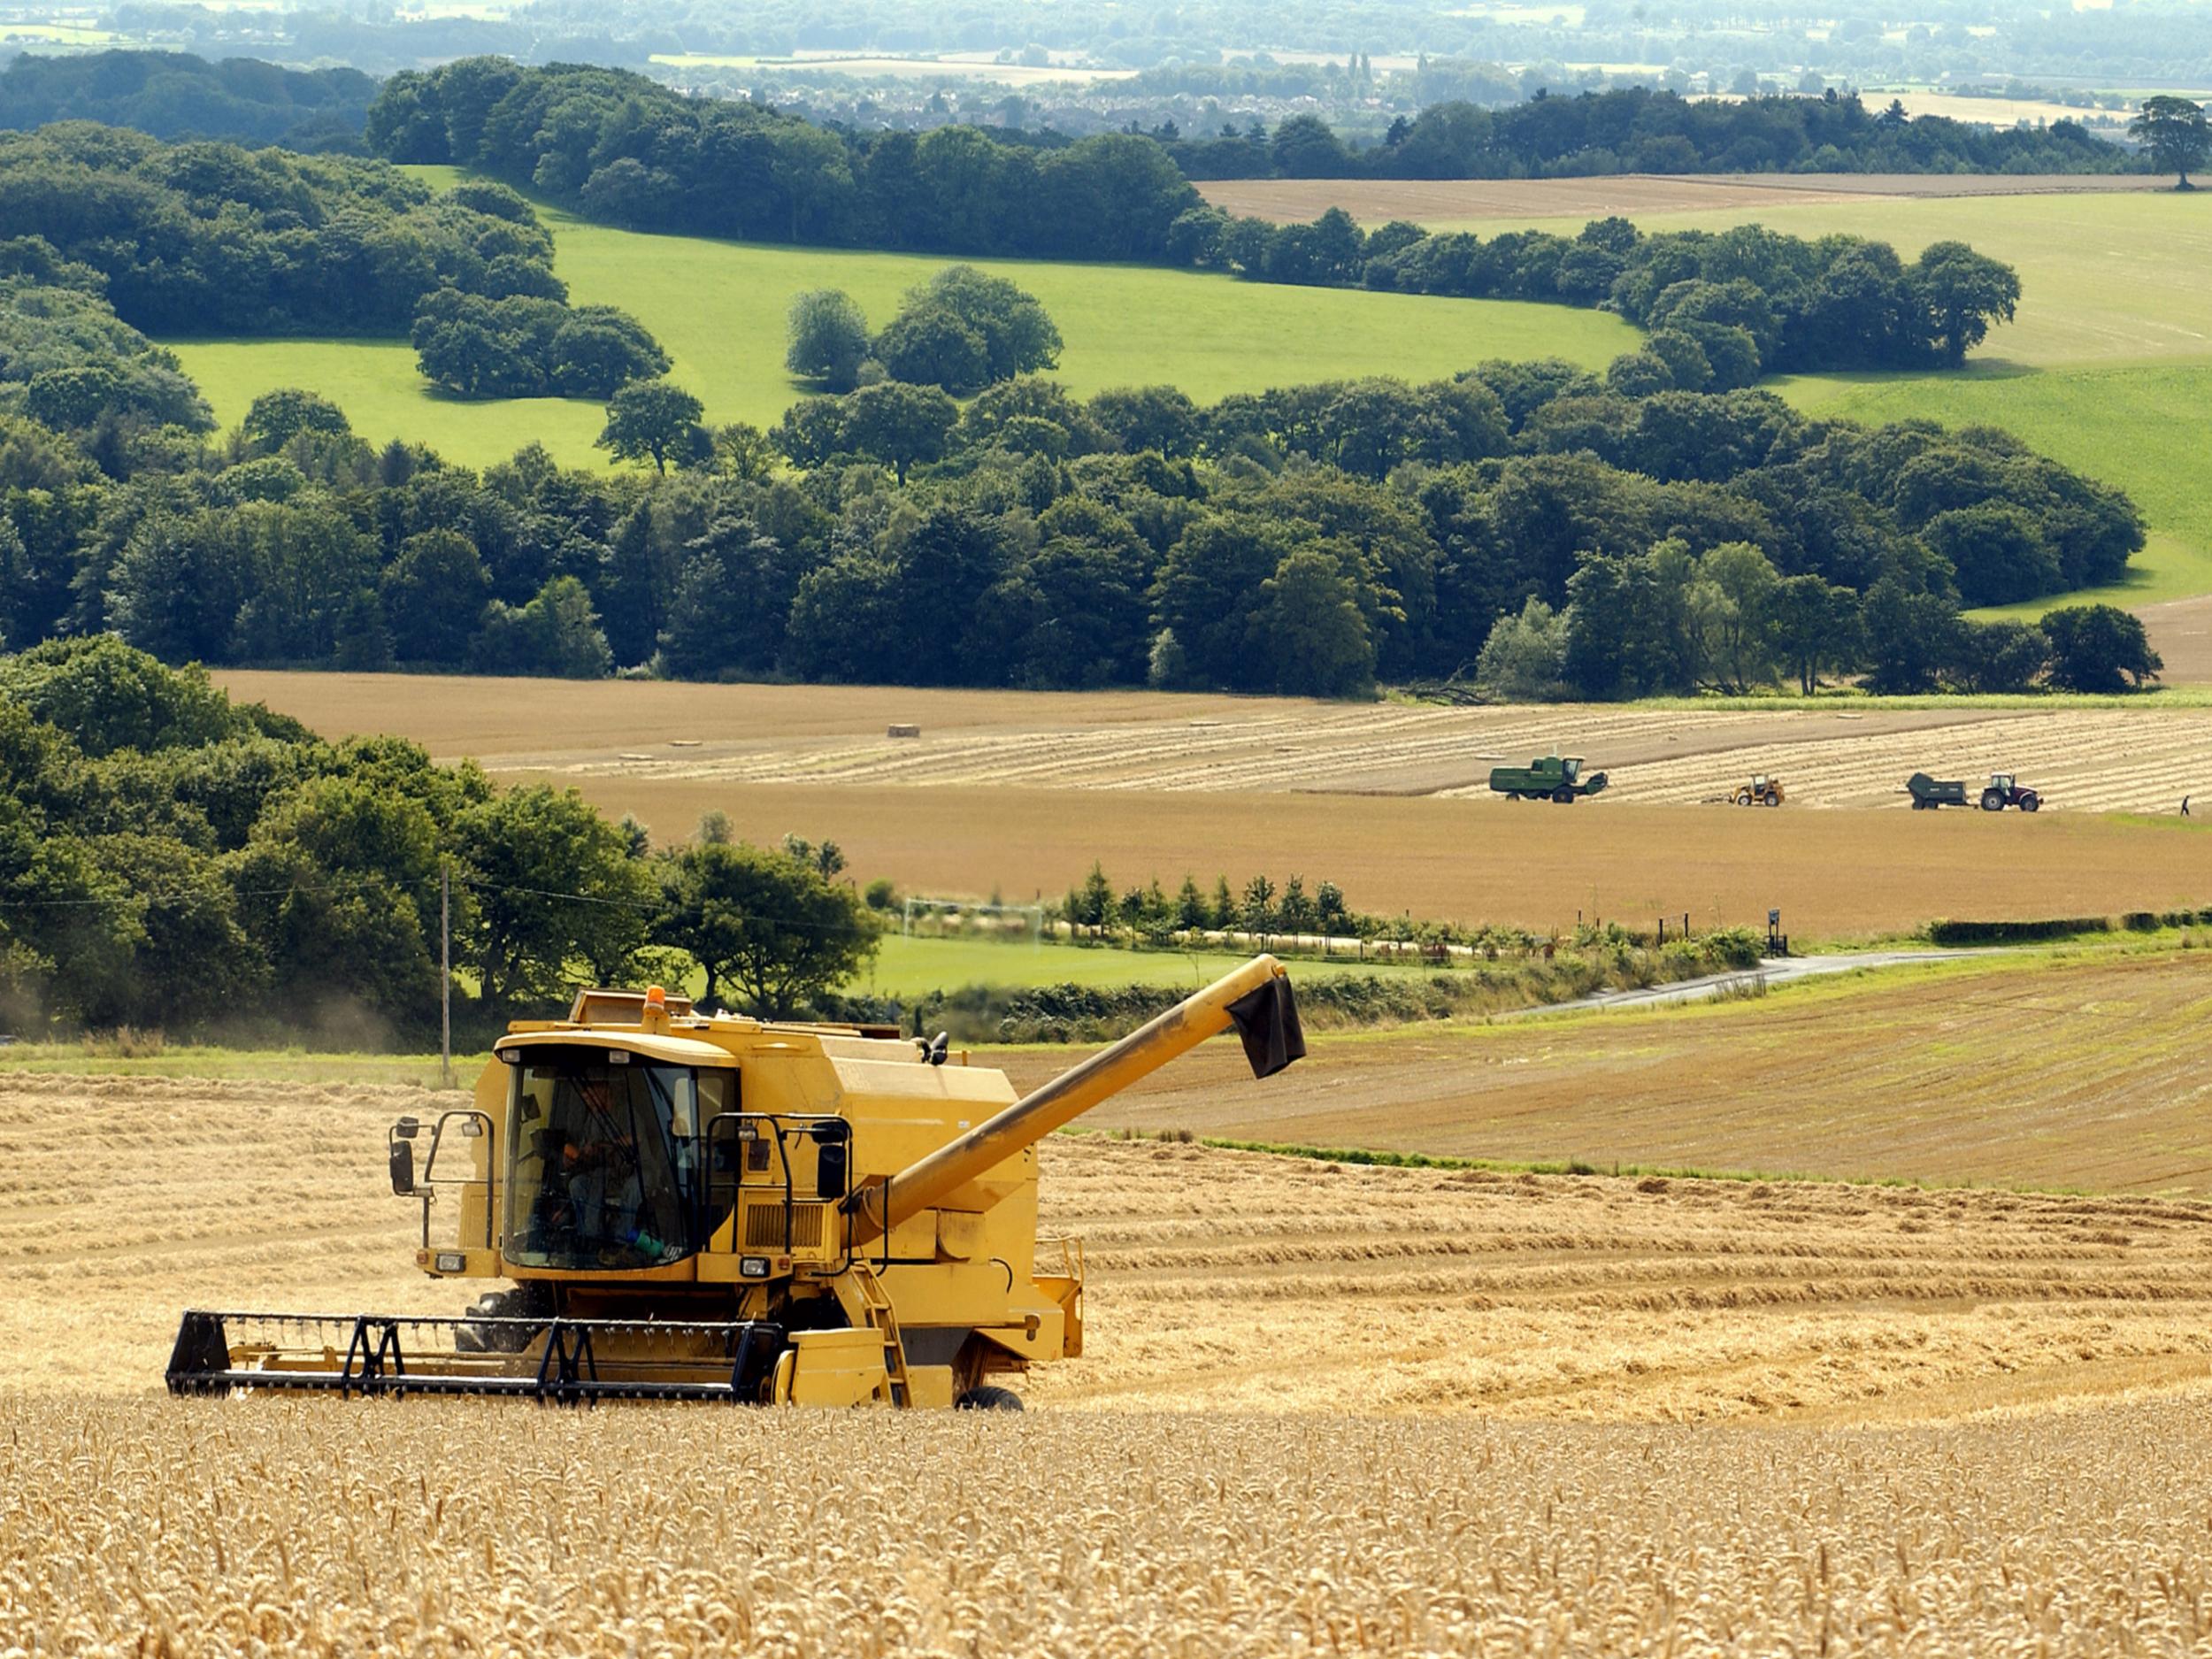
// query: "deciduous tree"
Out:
[2176,133]
[656,421]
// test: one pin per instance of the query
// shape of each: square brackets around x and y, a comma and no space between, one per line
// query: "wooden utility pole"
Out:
[445,975]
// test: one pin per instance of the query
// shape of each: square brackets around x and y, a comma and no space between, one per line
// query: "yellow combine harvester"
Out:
[713,1207]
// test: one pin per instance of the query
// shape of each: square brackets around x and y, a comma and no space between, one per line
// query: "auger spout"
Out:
[1255,999]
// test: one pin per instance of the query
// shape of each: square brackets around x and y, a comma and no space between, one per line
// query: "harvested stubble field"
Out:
[1019,792]
[1441,1412]
[2095,757]
[1232,1279]
[2075,1069]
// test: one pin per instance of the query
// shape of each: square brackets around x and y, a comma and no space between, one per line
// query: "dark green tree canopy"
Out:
[964,330]
[768,928]
[2099,648]
[828,337]
[656,422]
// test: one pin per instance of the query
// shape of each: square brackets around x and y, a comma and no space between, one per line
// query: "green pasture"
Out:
[914,967]
[720,307]
[2108,367]
[2110,278]
[2136,425]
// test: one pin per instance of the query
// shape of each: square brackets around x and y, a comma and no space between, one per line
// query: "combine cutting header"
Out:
[714,1208]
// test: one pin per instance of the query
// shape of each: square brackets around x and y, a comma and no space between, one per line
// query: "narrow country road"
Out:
[1771,972]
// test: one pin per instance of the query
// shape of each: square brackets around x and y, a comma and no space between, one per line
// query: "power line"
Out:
[345,887]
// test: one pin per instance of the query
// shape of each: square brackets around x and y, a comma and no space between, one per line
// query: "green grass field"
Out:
[914,967]
[2135,425]
[719,307]
[2107,368]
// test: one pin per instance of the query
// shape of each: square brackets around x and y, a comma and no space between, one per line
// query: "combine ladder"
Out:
[876,1308]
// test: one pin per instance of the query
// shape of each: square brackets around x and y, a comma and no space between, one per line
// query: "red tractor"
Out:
[2006,790]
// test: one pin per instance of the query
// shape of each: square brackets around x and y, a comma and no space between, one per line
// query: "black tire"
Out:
[524,1302]
[1564,796]
[2030,801]
[988,1397]
[1918,805]
[1993,801]
[1743,797]
[1770,799]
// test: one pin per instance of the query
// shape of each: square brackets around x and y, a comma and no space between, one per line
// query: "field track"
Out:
[1297,201]
[1019,792]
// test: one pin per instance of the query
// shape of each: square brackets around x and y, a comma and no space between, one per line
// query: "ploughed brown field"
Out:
[1323,1408]
[1375,201]
[1019,792]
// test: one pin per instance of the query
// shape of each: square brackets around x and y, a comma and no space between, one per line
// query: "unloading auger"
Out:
[695,1207]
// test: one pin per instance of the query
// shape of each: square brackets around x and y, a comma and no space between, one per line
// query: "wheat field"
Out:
[1322,1409]
[422,1529]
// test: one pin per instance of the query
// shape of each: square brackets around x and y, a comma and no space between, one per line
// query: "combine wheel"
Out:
[988,1397]
[1564,796]
[1993,801]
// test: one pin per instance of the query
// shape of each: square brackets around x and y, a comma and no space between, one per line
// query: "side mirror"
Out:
[831,1169]
[404,1168]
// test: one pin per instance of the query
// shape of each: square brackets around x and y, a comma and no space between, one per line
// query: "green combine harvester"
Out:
[1549,779]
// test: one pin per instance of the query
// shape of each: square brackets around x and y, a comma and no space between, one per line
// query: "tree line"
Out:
[626,152]
[171,860]
[214,239]
[1724,307]
[1637,129]
[1310,539]
[211,238]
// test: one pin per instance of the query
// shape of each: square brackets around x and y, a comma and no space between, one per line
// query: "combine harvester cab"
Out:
[1548,778]
[714,1208]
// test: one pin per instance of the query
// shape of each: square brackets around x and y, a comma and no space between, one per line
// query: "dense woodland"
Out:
[1312,538]
[213,239]
[171,861]
[1661,527]
[175,95]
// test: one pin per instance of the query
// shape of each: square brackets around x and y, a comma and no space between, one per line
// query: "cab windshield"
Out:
[604,1160]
